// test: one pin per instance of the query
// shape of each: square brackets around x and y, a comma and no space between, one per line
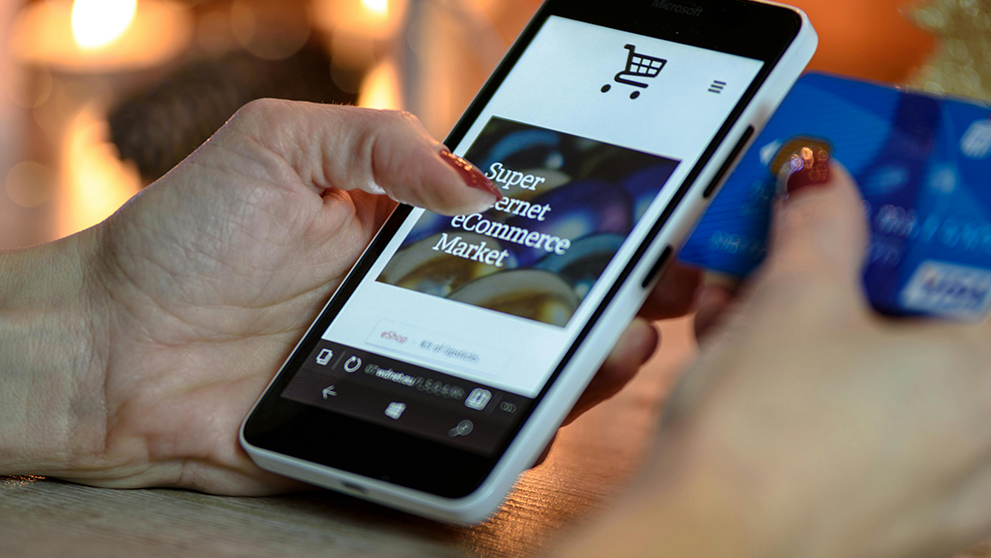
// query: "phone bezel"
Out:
[754,30]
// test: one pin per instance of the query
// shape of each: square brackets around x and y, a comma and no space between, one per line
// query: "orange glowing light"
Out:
[372,19]
[380,88]
[377,6]
[97,36]
[96,23]
[95,182]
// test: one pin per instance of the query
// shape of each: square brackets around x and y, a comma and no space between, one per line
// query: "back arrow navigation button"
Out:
[329,392]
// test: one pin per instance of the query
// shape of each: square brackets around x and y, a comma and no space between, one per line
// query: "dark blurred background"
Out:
[98,98]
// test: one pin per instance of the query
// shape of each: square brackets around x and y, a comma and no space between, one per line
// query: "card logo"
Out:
[949,290]
[976,143]
[693,10]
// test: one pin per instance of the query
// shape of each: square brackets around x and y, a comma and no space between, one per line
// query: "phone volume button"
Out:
[658,266]
[723,170]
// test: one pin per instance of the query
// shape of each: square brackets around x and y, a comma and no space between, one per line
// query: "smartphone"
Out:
[449,356]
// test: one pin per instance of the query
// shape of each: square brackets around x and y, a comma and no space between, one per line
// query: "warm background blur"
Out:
[100,97]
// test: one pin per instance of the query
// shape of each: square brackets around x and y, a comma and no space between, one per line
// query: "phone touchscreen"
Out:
[460,322]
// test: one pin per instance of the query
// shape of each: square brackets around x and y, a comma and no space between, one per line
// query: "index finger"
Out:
[378,151]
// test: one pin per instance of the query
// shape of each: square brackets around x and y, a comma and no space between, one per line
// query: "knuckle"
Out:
[403,116]
[259,112]
[401,119]
[388,141]
[262,107]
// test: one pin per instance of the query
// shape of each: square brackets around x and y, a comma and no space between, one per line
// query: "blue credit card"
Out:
[923,165]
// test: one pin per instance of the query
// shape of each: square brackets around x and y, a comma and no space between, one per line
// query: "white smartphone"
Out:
[447,359]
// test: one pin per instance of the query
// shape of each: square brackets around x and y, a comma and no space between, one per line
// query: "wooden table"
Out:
[591,462]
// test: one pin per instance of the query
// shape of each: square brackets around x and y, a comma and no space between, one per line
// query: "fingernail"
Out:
[801,163]
[470,173]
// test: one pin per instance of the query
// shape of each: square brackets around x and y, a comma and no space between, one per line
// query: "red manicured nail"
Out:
[801,163]
[470,173]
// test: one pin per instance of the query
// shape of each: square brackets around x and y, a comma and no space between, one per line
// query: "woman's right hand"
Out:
[810,426]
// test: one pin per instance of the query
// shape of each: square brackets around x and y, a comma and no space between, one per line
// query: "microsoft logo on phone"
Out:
[693,10]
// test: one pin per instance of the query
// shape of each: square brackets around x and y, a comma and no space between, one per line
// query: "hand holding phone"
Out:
[444,363]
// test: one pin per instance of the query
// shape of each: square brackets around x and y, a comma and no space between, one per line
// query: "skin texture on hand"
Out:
[810,426]
[193,294]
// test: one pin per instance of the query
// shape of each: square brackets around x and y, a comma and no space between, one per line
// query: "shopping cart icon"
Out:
[637,66]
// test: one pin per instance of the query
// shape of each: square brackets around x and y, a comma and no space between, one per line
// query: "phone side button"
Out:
[658,266]
[723,170]
[354,488]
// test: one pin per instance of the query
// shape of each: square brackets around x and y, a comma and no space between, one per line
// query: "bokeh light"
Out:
[96,23]
[377,6]
[30,184]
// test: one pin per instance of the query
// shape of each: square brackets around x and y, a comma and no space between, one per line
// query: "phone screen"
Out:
[460,322]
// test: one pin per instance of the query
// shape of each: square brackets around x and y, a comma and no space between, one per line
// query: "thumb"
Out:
[819,232]
[381,152]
